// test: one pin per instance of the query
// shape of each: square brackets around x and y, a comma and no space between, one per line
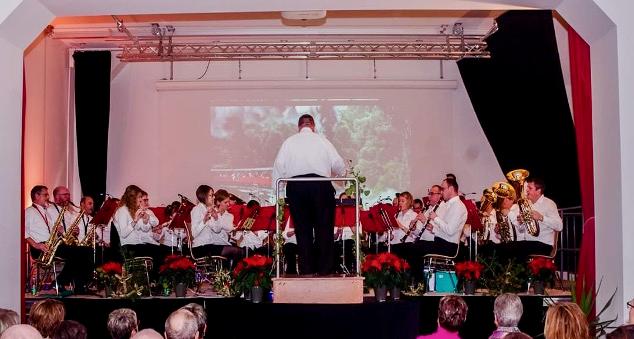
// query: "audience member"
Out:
[622,332]
[46,314]
[507,311]
[21,331]
[201,317]
[452,313]
[70,329]
[565,320]
[517,335]
[8,318]
[148,333]
[181,324]
[122,323]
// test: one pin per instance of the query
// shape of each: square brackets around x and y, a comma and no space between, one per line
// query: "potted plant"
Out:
[541,271]
[253,275]
[177,272]
[385,271]
[107,276]
[469,273]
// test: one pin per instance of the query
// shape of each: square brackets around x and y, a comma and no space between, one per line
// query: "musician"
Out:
[39,220]
[134,223]
[150,239]
[493,245]
[86,204]
[418,206]
[434,199]
[312,203]
[289,248]
[212,225]
[170,239]
[253,242]
[545,214]
[445,225]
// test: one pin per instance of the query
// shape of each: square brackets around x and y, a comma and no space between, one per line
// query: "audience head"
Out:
[452,312]
[21,331]
[181,324]
[148,333]
[8,318]
[70,329]
[507,310]
[622,332]
[205,194]
[517,335]
[122,323]
[201,317]
[46,314]
[565,320]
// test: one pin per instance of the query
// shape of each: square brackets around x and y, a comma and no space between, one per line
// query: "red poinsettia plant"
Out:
[107,273]
[253,271]
[469,270]
[385,269]
[542,269]
[177,269]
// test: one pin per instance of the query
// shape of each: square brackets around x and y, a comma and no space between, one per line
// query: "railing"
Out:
[568,249]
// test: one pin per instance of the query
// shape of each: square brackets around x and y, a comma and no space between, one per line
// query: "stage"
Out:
[237,318]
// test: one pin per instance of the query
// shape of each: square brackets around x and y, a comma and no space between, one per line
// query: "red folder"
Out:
[105,213]
[384,215]
[473,218]
[345,216]
[183,215]
[265,219]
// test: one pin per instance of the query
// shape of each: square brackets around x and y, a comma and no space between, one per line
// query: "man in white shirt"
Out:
[545,214]
[312,203]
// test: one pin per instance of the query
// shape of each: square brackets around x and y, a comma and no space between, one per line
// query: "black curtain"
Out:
[92,112]
[520,100]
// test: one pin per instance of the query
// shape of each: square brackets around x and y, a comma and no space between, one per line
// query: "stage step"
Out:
[318,290]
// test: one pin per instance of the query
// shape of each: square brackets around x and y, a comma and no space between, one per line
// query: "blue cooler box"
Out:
[446,281]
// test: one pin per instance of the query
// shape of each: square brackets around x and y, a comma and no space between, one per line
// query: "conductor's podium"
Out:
[334,289]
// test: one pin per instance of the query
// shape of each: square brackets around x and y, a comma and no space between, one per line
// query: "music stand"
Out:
[101,219]
[345,216]
[473,219]
[385,216]
[239,214]
[265,221]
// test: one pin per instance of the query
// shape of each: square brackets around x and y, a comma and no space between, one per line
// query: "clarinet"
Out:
[412,227]
[427,223]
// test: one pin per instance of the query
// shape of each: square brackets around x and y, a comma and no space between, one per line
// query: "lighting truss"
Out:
[416,47]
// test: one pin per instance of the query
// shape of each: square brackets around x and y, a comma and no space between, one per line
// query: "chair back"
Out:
[553,253]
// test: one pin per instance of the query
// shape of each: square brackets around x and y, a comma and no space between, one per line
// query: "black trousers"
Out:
[290,251]
[312,206]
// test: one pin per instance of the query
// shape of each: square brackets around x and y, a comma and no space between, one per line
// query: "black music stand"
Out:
[265,221]
[345,216]
[102,219]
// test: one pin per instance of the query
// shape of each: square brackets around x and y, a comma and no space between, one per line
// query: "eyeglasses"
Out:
[629,304]
[433,193]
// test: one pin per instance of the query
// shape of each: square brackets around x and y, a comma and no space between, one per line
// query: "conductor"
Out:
[311,203]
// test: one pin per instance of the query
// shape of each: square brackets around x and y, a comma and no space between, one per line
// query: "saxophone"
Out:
[489,198]
[90,235]
[52,243]
[517,178]
[69,238]
[503,228]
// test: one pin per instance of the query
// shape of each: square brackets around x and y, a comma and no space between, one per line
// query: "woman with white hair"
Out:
[507,310]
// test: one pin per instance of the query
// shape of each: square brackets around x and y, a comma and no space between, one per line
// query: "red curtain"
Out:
[582,112]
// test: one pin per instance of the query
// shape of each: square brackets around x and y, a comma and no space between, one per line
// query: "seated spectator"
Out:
[70,329]
[181,324]
[507,311]
[8,318]
[565,320]
[201,317]
[622,332]
[122,323]
[148,333]
[21,331]
[452,313]
[517,335]
[46,314]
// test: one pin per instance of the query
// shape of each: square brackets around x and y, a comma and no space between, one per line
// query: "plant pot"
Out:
[257,293]
[395,293]
[469,287]
[181,290]
[380,293]
[538,287]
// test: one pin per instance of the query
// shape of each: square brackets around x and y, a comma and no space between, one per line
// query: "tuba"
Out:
[517,179]
[53,242]
[489,198]
[503,228]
